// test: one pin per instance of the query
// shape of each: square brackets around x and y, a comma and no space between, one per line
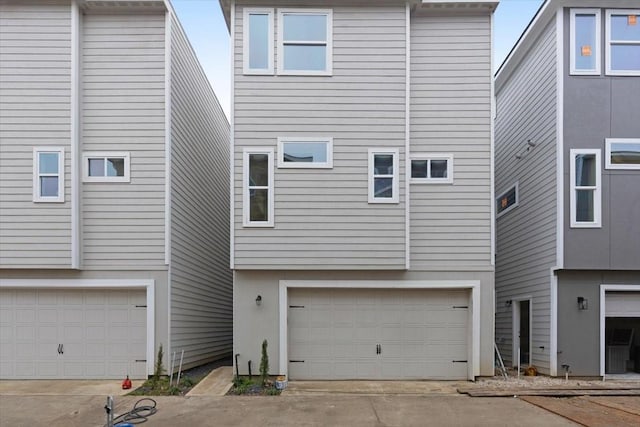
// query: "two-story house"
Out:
[114,176]
[362,187]
[568,190]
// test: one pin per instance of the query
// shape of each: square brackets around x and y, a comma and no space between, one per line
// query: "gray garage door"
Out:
[71,334]
[378,334]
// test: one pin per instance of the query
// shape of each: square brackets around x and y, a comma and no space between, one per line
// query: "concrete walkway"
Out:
[217,383]
[65,387]
[368,388]
[284,411]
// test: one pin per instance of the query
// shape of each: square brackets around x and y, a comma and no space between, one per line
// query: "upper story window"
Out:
[622,153]
[48,174]
[432,168]
[585,41]
[258,41]
[297,152]
[383,175]
[507,200]
[105,167]
[257,179]
[623,42]
[305,41]
[585,179]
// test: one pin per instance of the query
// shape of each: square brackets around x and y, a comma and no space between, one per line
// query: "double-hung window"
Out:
[383,175]
[105,167]
[258,41]
[257,182]
[48,174]
[585,41]
[622,153]
[432,168]
[305,41]
[585,198]
[623,42]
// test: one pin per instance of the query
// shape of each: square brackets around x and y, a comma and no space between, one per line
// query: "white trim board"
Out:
[232,207]
[147,284]
[603,293]
[473,285]
[407,140]
[75,101]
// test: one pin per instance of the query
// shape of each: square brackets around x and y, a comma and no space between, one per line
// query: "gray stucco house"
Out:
[567,132]
[362,187]
[114,180]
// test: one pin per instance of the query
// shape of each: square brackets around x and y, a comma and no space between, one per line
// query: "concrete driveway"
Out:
[64,388]
[323,410]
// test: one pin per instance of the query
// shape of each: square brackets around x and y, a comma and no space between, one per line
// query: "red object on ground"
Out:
[126,384]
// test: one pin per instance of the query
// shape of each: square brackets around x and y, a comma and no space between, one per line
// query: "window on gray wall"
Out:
[304,41]
[258,41]
[507,200]
[623,42]
[585,41]
[585,180]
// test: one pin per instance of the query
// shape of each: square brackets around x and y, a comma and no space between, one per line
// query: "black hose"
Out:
[139,414]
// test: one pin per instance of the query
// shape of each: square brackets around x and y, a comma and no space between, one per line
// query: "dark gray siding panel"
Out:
[201,284]
[597,108]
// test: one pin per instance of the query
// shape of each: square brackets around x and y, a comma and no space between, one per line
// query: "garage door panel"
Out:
[420,333]
[94,345]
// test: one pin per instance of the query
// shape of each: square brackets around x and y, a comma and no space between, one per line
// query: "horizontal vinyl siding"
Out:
[35,89]
[451,114]
[322,216]
[526,235]
[201,281]
[123,84]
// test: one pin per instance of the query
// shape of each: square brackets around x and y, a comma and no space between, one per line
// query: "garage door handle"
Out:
[378,349]
[459,361]
[60,348]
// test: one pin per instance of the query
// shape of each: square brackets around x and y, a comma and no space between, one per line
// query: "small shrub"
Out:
[159,367]
[187,381]
[174,390]
[264,364]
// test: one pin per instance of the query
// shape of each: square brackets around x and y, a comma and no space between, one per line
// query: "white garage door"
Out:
[72,334]
[622,304]
[378,334]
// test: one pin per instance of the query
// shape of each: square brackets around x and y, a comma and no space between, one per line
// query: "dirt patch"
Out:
[179,387]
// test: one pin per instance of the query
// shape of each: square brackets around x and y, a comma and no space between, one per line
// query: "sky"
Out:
[204,24]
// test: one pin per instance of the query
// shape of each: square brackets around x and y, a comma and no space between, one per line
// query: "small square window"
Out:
[432,168]
[299,152]
[623,42]
[48,174]
[507,200]
[304,41]
[106,167]
[383,176]
[623,153]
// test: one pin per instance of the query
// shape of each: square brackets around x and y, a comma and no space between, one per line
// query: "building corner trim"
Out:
[75,135]
[407,143]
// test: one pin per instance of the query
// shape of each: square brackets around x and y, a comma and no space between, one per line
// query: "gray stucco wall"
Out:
[595,108]
[579,330]
[252,324]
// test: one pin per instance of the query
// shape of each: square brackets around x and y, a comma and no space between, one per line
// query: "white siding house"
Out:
[362,187]
[114,236]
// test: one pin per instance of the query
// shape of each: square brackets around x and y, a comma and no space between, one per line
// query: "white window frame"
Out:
[596,49]
[246,217]
[395,176]
[609,13]
[328,43]
[105,155]
[305,165]
[36,175]
[597,193]
[515,187]
[608,142]
[245,41]
[429,157]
